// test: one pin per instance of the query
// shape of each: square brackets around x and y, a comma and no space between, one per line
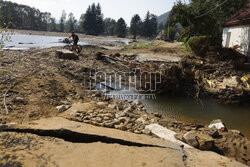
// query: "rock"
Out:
[218,124]
[120,114]
[231,82]
[86,121]
[147,131]
[106,118]
[109,125]
[137,102]
[112,106]
[213,132]
[66,54]
[187,128]
[165,121]
[140,120]
[120,127]
[127,110]
[124,120]
[116,122]
[98,119]
[101,104]
[109,115]
[63,108]
[133,115]
[206,142]
[100,56]
[19,100]
[190,139]
[152,121]
[157,115]
[137,132]
[179,136]
[236,132]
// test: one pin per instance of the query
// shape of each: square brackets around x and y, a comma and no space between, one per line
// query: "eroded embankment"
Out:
[34,83]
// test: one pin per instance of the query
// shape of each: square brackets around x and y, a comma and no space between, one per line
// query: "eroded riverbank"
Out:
[35,82]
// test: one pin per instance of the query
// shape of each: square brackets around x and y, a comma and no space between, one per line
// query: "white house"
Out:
[236,31]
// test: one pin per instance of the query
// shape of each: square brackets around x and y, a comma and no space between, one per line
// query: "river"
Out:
[26,42]
[193,111]
[180,108]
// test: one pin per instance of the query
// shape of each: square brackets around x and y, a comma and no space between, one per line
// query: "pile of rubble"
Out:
[130,117]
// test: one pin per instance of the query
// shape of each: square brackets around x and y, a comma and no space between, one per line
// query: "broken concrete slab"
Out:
[165,133]
[190,138]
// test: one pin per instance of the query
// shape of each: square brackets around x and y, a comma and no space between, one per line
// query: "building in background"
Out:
[236,31]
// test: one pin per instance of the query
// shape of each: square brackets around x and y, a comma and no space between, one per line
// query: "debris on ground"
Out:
[44,81]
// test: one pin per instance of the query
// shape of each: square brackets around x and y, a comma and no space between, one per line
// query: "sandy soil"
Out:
[31,149]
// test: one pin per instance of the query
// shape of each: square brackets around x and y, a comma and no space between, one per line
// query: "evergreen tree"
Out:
[161,26]
[52,26]
[93,20]
[109,26]
[71,22]
[121,28]
[62,21]
[80,28]
[153,24]
[149,25]
[99,20]
[135,25]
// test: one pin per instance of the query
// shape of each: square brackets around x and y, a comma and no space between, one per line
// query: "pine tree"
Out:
[93,20]
[135,25]
[62,21]
[109,26]
[121,28]
[52,26]
[70,24]
[99,20]
[149,26]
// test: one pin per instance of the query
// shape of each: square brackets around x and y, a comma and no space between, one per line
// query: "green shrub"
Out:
[198,44]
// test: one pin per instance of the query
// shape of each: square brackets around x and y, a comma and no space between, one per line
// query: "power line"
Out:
[218,5]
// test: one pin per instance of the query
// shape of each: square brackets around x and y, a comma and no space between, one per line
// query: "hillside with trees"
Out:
[23,17]
[162,20]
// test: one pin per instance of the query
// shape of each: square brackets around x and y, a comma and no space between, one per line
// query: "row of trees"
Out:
[146,28]
[23,17]
[92,22]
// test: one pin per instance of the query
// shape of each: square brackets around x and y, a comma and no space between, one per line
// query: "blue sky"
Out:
[110,8]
